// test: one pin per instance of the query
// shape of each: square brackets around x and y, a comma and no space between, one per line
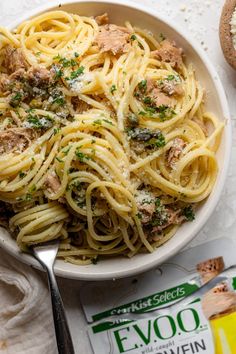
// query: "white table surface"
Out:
[200,19]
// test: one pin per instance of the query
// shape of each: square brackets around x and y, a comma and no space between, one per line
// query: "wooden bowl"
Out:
[226,37]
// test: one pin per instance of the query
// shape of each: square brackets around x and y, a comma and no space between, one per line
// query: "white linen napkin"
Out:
[26,325]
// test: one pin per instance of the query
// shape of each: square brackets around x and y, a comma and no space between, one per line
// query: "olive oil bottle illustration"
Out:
[224,331]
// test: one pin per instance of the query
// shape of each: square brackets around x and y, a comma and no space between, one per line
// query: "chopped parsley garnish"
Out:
[16,99]
[165,112]
[60,101]
[17,96]
[56,130]
[113,88]
[108,121]
[170,77]
[81,204]
[59,74]
[149,111]
[76,54]
[65,62]
[9,121]
[39,123]
[32,188]
[30,110]
[147,100]
[158,203]
[160,208]
[73,62]
[189,213]
[160,220]
[28,197]
[81,156]
[58,159]
[156,222]
[161,215]
[133,37]
[34,121]
[142,85]
[147,201]
[78,185]
[157,142]
[22,174]
[65,151]
[97,122]
[77,73]
[149,137]
[57,58]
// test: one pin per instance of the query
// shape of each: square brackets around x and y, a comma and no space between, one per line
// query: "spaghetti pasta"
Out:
[104,139]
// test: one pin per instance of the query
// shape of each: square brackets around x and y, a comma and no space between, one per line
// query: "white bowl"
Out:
[144,17]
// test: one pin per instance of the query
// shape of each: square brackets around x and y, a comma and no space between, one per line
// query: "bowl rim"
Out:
[66,273]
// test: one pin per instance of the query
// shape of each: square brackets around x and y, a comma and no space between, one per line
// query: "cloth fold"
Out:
[26,325]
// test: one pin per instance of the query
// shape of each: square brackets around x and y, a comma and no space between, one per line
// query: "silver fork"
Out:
[46,255]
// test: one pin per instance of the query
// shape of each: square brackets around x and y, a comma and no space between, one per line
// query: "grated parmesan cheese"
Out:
[77,84]
[144,196]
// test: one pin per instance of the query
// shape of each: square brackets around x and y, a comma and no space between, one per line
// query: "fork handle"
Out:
[64,341]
